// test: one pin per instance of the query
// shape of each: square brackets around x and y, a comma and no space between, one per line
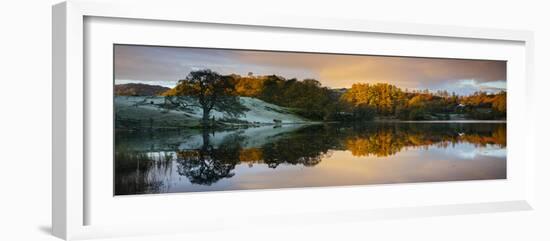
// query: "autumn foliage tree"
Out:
[482,105]
[306,97]
[390,101]
[499,102]
[249,86]
[384,98]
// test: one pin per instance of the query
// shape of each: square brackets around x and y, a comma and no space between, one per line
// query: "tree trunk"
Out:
[205,117]
[205,140]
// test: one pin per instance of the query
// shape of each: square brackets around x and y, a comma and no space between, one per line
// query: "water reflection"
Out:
[268,157]
[207,165]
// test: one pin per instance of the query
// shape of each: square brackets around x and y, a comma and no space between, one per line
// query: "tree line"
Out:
[390,101]
[308,98]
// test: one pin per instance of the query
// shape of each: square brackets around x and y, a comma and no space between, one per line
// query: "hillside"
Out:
[141,111]
[135,89]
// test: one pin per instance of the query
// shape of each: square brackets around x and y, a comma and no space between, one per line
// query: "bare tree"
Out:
[209,91]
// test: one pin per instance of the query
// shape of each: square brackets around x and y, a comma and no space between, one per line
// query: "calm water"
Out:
[308,156]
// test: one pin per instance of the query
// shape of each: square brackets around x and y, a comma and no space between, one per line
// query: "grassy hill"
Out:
[148,112]
[135,89]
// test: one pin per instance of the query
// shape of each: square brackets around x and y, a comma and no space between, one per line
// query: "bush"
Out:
[417,114]
[364,113]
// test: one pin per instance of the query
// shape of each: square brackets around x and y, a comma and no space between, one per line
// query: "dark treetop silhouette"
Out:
[209,91]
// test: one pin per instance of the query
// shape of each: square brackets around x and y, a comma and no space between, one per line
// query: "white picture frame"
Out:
[72,191]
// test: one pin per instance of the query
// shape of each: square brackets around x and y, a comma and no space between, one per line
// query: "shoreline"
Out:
[441,121]
[258,125]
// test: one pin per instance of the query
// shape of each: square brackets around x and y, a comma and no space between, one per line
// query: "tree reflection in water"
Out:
[207,165]
[306,146]
[388,139]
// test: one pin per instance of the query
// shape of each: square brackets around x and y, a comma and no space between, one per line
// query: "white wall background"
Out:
[25,120]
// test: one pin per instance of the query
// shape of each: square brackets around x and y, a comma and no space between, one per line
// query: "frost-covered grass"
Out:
[263,112]
[143,111]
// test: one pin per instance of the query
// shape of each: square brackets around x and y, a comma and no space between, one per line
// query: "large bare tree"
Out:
[209,91]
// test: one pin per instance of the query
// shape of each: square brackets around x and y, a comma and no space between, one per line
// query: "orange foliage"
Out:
[249,86]
[387,143]
[383,97]
[251,155]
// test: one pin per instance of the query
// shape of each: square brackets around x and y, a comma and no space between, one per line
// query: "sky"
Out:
[166,65]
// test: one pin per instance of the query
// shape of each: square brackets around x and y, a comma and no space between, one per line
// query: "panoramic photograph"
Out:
[202,119]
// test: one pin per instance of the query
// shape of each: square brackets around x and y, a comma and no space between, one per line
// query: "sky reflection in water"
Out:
[308,156]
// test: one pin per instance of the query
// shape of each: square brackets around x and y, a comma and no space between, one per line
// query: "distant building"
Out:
[460,106]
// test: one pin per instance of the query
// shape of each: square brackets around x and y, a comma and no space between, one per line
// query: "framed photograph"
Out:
[168,123]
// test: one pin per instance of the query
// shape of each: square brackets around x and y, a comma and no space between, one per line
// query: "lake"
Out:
[313,155]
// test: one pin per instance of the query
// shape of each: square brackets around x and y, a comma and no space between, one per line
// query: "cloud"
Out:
[150,64]
[407,72]
[469,86]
